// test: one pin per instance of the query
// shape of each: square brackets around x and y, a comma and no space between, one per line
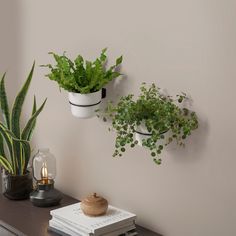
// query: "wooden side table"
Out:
[21,218]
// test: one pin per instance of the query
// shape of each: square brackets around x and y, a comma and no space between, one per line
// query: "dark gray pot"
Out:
[16,187]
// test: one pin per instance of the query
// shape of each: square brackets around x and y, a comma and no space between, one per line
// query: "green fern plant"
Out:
[82,76]
[15,150]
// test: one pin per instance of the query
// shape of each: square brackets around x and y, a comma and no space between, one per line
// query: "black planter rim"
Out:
[149,134]
[89,105]
[28,173]
[84,93]
[102,91]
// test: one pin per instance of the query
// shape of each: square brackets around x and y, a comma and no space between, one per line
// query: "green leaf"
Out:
[115,74]
[103,56]
[6,138]
[31,123]
[82,76]
[160,114]
[15,116]
[34,123]
[6,164]
[104,50]
[27,153]
[24,159]
[119,60]
[4,102]
[2,152]
[17,107]
[15,153]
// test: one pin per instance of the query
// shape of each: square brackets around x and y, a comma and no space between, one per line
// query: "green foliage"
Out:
[81,76]
[15,148]
[160,114]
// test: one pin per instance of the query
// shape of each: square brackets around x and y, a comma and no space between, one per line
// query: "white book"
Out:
[63,230]
[63,226]
[58,232]
[58,227]
[122,231]
[73,216]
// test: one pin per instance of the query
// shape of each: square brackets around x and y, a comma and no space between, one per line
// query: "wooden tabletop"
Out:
[23,219]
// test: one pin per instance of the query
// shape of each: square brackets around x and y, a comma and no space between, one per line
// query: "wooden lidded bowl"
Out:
[94,205]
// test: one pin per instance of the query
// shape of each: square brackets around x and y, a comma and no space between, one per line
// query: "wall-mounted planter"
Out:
[151,120]
[85,105]
[84,80]
[141,133]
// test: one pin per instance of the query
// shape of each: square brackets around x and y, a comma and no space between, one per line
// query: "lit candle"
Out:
[44,173]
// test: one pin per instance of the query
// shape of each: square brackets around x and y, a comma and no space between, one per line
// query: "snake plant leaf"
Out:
[27,153]
[30,124]
[17,107]
[6,164]
[15,117]
[10,145]
[13,148]
[34,124]
[2,152]
[4,102]
[5,111]
[22,162]
[6,138]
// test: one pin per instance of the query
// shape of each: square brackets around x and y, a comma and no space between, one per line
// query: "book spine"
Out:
[70,227]
[115,225]
[121,231]
[105,231]
[57,231]
[76,225]
[61,230]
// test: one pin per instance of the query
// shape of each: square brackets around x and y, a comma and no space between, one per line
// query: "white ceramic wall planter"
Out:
[85,105]
[141,133]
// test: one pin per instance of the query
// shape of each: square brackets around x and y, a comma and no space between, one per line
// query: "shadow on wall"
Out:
[10,27]
[194,144]
[116,89]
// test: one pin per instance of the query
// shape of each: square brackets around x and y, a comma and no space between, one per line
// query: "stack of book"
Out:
[70,220]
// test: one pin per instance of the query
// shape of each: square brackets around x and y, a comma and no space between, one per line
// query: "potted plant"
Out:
[84,80]
[153,120]
[15,150]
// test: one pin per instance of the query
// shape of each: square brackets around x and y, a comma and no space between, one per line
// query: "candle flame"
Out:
[44,173]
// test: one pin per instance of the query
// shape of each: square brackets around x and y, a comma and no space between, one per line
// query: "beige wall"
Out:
[10,27]
[185,45]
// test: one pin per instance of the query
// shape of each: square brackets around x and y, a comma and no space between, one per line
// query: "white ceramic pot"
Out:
[141,133]
[85,105]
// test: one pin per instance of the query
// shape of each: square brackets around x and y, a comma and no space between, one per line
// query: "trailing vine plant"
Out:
[162,116]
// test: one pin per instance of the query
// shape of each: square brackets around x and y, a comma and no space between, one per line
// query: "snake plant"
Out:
[15,150]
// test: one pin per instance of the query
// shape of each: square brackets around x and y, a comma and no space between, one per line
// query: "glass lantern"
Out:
[44,172]
[44,167]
